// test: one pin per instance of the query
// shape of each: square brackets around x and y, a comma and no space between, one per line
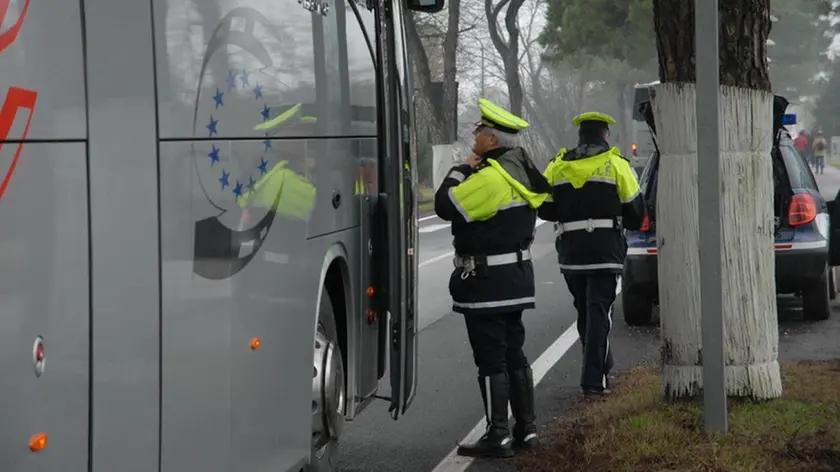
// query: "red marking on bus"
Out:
[651,251]
[784,246]
[16,99]
[9,36]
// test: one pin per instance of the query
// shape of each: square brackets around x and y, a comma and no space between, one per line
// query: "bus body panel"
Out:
[44,275]
[179,322]
[41,50]
[44,257]
[124,237]
[226,397]
[258,63]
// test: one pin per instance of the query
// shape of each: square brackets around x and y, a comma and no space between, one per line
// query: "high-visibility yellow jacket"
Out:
[596,195]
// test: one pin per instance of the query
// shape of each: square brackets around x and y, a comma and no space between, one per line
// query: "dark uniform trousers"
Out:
[497,342]
[594,297]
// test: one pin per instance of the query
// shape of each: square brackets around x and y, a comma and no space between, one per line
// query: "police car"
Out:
[801,232]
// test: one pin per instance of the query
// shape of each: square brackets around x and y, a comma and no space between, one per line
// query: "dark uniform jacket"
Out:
[493,213]
[596,196]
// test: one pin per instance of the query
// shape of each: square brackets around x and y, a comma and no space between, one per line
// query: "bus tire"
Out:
[328,390]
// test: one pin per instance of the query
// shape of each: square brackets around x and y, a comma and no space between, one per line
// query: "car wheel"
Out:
[637,308]
[328,390]
[815,298]
[832,283]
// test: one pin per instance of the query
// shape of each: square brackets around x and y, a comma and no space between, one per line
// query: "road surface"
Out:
[448,405]
[829,182]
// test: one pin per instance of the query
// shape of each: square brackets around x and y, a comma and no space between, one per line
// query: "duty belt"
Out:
[469,263]
[588,225]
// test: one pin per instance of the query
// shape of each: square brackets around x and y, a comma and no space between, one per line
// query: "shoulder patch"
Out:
[569,156]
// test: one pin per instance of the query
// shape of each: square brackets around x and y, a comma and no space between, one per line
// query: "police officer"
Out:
[491,201]
[596,196]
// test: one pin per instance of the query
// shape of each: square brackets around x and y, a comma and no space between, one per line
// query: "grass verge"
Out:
[635,430]
[426,200]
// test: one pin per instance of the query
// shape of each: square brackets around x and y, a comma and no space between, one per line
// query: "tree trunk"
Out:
[436,113]
[748,266]
[510,50]
[449,105]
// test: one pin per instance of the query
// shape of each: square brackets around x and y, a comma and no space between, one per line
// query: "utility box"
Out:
[835,146]
[443,158]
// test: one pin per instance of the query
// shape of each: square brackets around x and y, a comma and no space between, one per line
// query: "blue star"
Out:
[238,189]
[231,80]
[218,98]
[251,183]
[258,91]
[212,126]
[266,112]
[262,166]
[214,155]
[224,179]
[245,82]
[267,143]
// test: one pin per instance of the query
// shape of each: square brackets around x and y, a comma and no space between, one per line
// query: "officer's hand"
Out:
[473,160]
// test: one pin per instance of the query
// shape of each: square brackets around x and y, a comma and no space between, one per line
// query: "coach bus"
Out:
[207,230]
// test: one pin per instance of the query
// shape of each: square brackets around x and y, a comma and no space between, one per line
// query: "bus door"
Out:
[396,248]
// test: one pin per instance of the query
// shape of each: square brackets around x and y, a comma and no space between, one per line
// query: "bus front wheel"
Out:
[328,390]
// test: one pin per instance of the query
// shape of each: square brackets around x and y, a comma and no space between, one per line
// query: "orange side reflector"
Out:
[370,291]
[255,344]
[38,442]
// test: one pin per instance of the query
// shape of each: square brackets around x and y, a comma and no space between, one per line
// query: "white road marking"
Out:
[455,463]
[437,258]
[425,218]
[433,228]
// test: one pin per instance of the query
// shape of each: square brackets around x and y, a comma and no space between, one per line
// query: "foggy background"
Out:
[550,60]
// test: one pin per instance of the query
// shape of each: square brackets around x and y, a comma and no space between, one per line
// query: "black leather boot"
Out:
[496,441]
[522,404]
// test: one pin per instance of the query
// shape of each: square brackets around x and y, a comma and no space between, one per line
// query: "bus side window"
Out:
[361,37]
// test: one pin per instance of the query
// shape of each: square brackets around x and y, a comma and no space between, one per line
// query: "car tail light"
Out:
[645,224]
[802,210]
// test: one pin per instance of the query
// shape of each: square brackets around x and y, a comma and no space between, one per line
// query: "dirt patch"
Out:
[635,430]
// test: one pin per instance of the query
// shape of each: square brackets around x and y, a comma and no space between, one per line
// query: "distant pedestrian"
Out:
[819,148]
[802,145]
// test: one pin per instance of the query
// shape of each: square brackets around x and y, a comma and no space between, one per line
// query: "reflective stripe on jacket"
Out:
[593,185]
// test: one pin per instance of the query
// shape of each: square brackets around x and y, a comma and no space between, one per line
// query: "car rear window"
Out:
[798,171]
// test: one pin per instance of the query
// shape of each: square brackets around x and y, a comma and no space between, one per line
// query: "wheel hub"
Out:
[328,391]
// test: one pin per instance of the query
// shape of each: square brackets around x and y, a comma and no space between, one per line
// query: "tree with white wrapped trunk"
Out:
[746,137]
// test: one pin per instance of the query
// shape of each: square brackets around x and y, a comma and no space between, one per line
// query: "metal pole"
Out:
[708,193]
